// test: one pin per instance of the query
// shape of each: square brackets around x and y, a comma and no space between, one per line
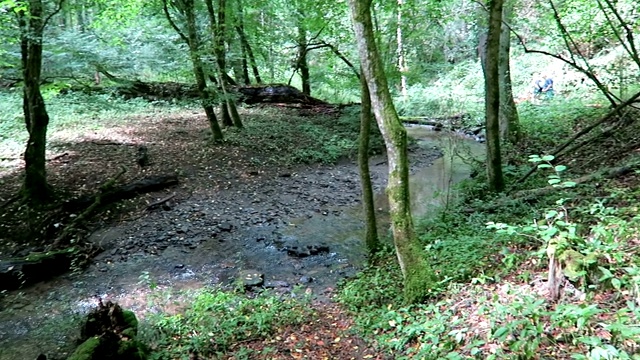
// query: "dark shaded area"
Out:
[18,272]
[127,191]
[275,93]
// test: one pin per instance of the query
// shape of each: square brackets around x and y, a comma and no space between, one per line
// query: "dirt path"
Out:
[228,216]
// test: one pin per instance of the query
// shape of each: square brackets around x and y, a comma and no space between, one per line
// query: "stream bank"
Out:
[298,226]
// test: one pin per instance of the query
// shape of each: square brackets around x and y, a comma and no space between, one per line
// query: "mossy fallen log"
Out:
[19,272]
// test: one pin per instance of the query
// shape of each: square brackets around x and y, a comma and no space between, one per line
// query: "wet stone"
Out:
[306,250]
[272,284]
[306,280]
[251,278]
[225,226]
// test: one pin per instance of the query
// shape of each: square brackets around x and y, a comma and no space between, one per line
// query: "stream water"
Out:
[44,318]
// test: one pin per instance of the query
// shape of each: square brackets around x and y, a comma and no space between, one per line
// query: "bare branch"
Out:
[57,10]
[165,7]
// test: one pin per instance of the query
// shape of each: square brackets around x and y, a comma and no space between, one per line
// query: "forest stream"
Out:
[211,242]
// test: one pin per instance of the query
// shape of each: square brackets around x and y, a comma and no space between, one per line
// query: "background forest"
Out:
[140,140]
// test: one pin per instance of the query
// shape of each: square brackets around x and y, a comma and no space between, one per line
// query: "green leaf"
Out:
[544,166]
[548,157]
[553,181]
[616,283]
[501,333]
[560,168]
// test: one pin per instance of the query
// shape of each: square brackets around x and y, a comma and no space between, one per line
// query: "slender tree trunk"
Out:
[492,97]
[418,276]
[218,31]
[402,64]
[509,121]
[246,47]
[371,228]
[302,64]
[198,68]
[35,190]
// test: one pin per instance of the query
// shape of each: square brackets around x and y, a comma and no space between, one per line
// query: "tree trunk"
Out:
[418,276]
[302,64]
[36,190]
[402,65]
[492,97]
[509,121]
[371,229]
[246,48]
[228,112]
[198,68]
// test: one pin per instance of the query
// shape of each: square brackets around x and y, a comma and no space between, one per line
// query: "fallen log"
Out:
[275,93]
[123,192]
[531,194]
[19,272]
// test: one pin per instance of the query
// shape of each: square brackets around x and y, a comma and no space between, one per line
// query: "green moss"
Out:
[131,350]
[131,320]
[86,350]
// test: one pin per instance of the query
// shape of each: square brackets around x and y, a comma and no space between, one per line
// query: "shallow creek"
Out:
[44,318]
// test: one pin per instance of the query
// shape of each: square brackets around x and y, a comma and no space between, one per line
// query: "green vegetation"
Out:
[548,269]
[492,301]
[217,321]
[318,138]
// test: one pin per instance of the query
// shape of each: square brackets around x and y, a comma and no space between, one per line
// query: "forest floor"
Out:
[240,206]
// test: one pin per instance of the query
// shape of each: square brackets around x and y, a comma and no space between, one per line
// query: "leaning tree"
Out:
[32,21]
[418,275]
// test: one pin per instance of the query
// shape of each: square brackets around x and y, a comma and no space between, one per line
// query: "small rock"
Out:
[179,266]
[306,280]
[276,284]
[225,226]
[251,278]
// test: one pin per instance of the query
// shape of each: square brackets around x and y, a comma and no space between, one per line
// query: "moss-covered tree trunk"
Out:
[371,228]
[492,97]
[35,188]
[228,110]
[509,120]
[246,47]
[302,63]
[418,276]
[186,8]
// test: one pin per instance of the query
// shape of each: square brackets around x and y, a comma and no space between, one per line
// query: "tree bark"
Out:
[35,189]
[509,121]
[371,229]
[228,110]
[492,97]
[187,9]
[301,64]
[418,276]
[246,47]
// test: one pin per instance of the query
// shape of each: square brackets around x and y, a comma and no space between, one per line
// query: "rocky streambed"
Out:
[265,228]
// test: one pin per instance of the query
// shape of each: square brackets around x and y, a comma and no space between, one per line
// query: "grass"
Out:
[75,113]
[217,321]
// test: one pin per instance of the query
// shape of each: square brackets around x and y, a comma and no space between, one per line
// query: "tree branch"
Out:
[44,24]
[165,8]
[585,131]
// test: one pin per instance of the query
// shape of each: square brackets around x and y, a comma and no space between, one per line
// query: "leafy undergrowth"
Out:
[497,305]
[276,136]
[230,325]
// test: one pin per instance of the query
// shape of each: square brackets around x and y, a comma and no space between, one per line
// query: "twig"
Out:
[85,214]
[155,204]
[583,132]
